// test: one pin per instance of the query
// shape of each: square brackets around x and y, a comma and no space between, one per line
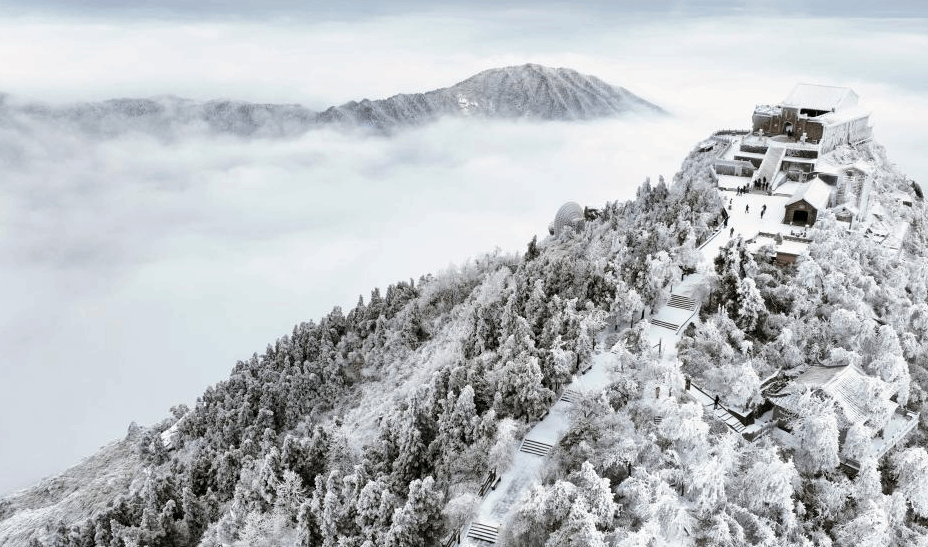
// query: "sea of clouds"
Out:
[137,269]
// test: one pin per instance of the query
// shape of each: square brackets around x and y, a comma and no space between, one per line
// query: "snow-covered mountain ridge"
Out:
[379,426]
[526,91]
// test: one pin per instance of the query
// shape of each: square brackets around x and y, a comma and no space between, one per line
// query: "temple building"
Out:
[794,150]
[823,115]
[858,398]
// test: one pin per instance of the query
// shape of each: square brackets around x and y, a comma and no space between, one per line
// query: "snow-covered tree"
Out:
[816,432]
[289,496]
[910,468]
[683,424]
[627,304]
[867,483]
[676,523]
[578,529]
[520,390]
[709,476]
[869,529]
[596,494]
[418,522]
[737,384]
[751,307]
[857,442]
[768,487]
[504,445]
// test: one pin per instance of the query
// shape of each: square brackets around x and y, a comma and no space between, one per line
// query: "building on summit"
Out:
[823,115]
[793,150]
[802,209]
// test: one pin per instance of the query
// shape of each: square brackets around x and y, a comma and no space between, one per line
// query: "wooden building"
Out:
[802,209]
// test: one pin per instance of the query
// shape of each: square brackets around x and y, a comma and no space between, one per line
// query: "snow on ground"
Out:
[731,182]
[899,426]
[744,214]
[675,316]
[525,471]
[85,488]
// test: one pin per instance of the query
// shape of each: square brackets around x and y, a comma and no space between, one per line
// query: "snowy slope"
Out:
[527,91]
[76,493]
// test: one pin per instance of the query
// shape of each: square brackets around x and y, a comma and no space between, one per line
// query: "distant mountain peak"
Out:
[524,91]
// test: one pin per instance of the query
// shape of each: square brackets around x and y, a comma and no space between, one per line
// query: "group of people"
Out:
[761,184]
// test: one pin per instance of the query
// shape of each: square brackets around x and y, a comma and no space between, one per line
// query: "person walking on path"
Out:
[716,404]
[747,208]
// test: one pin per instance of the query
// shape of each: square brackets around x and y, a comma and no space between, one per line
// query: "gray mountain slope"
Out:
[526,91]
[73,495]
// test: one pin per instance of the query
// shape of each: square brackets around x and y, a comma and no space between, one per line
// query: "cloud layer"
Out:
[137,270]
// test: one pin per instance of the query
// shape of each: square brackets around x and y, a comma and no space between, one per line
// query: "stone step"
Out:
[535,448]
[483,532]
[681,302]
[731,421]
[664,324]
[570,396]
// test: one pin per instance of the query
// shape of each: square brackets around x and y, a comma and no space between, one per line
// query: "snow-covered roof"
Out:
[820,97]
[815,192]
[790,247]
[863,166]
[846,385]
[846,207]
[768,110]
[843,116]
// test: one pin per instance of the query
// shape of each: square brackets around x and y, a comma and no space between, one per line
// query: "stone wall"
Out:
[776,124]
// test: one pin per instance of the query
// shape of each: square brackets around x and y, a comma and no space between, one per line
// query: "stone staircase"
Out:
[729,420]
[483,533]
[535,448]
[681,302]
[664,324]
[771,164]
[570,396]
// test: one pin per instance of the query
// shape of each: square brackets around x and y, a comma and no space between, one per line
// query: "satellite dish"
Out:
[570,214]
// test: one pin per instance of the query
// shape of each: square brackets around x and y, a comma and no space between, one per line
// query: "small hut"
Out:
[802,209]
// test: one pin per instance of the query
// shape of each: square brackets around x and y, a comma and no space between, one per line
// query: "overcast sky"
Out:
[136,272]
